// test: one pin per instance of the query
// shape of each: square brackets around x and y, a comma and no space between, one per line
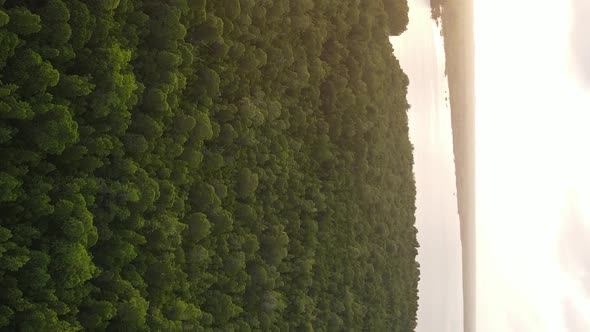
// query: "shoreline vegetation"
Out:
[192,165]
[457,29]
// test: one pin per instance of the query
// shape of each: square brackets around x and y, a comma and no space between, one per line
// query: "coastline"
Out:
[458,32]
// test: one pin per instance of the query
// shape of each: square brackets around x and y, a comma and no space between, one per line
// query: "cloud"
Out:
[580,42]
[574,245]
[574,317]
[524,321]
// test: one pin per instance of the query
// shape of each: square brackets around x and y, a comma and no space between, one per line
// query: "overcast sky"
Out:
[533,165]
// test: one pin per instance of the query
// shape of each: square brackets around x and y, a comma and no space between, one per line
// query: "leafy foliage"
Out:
[199,165]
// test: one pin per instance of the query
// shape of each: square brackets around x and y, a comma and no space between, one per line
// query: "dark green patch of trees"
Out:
[201,165]
[436,7]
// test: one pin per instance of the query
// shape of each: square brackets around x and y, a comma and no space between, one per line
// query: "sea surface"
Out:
[420,51]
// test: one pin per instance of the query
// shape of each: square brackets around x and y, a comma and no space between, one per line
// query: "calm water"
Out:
[421,54]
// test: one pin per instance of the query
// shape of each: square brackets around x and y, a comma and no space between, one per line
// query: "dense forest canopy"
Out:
[197,165]
[436,8]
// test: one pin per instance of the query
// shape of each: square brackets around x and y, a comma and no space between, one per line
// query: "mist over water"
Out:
[421,54]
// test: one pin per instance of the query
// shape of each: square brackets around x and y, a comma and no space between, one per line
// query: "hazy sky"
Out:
[533,165]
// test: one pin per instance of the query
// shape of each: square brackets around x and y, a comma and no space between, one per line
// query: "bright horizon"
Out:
[532,175]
